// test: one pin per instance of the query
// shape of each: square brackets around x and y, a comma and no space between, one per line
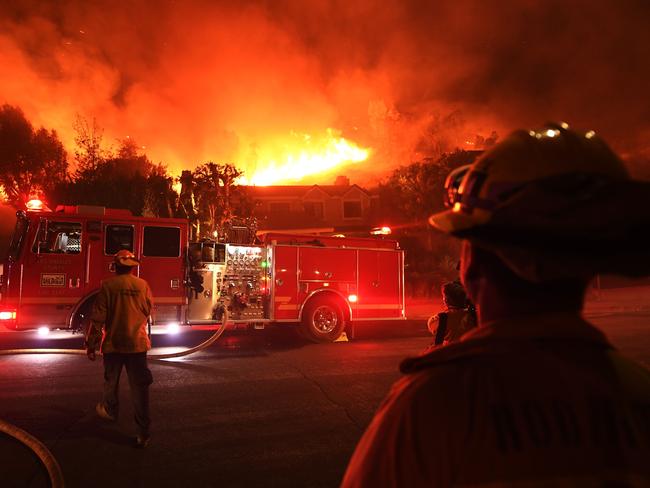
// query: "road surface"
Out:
[255,411]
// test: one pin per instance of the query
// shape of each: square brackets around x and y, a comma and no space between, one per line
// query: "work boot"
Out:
[142,441]
[103,413]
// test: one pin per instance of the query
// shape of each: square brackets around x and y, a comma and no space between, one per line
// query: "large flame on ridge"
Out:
[301,156]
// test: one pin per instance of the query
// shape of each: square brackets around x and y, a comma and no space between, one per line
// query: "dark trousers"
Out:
[139,380]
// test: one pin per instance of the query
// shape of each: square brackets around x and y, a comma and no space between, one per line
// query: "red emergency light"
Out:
[381,231]
[35,205]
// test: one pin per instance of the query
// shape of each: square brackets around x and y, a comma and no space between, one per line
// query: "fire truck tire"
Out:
[322,319]
[81,319]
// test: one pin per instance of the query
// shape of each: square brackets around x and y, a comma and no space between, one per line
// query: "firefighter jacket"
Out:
[122,308]
[450,325]
[544,401]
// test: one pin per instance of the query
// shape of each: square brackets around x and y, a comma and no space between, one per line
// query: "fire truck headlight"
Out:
[173,328]
[8,315]
[353,298]
[43,331]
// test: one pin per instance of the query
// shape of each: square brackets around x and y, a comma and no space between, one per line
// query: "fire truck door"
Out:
[162,264]
[103,247]
[380,285]
[285,283]
[53,273]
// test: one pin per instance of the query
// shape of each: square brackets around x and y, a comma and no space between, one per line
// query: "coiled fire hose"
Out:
[44,455]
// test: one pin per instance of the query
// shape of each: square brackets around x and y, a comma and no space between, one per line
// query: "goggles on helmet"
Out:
[452,185]
[463,187]
[553,163]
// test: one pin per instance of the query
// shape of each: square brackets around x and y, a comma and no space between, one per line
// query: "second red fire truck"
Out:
[57,260]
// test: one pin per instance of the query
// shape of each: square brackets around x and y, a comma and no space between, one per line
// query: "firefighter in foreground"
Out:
[535,396]
[119,322]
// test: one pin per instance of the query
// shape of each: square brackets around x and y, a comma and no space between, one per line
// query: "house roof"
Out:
[299,191]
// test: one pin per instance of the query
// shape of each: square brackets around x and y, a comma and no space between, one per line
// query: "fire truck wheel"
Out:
[322,320]
[81,319]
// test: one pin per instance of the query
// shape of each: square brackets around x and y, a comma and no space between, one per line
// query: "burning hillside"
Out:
[290,90]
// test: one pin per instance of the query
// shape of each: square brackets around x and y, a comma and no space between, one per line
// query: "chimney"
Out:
[342,181]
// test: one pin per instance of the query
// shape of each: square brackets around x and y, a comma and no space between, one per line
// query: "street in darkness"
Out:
[255,410]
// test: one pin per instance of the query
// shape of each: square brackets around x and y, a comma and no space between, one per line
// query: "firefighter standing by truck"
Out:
[119,322]
[458,317]
[535,396]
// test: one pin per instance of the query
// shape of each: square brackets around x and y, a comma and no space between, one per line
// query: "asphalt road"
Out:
[258,410]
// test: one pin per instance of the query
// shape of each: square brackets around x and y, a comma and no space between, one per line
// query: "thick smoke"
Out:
[220,80]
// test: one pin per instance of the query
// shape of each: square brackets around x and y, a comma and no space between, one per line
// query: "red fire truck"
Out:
[57,260]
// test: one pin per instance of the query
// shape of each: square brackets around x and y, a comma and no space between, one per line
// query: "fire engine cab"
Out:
[57,260]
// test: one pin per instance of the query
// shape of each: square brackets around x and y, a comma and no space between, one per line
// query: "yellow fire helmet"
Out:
[474,192]
[125,257]
[551,202]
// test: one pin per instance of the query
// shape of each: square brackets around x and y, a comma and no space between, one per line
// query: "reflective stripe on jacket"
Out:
[122,307]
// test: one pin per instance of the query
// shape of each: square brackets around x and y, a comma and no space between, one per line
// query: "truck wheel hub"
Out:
[325,319]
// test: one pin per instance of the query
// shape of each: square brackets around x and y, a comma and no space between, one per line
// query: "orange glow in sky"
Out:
[258,83]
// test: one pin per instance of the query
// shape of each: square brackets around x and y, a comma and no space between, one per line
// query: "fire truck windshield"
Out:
[60,237]
[18,237]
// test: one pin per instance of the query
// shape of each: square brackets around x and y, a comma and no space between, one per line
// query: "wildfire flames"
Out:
[303,155]
[257,83]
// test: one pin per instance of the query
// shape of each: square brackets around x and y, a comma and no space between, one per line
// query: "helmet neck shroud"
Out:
[570,226]
[499,293]
[120,269]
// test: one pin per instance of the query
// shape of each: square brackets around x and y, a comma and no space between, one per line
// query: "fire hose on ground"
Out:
[44,455]
[37,447]
[186,352]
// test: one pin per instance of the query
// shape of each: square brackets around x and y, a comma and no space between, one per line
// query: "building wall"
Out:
[352,208]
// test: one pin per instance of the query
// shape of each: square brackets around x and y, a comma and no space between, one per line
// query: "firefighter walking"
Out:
[119,325]
[534,396]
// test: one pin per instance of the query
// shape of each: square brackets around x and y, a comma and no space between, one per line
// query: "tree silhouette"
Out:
[160,198]
[212,192]
[408,197]
[127,179]
[89,152]
[218,199]
[412,193]
[32,162]
[185,207]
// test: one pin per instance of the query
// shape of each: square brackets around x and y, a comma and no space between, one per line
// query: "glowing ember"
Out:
[303,156]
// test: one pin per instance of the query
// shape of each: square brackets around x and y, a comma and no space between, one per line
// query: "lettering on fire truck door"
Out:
[53,272]
[55,262]
[285,283]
